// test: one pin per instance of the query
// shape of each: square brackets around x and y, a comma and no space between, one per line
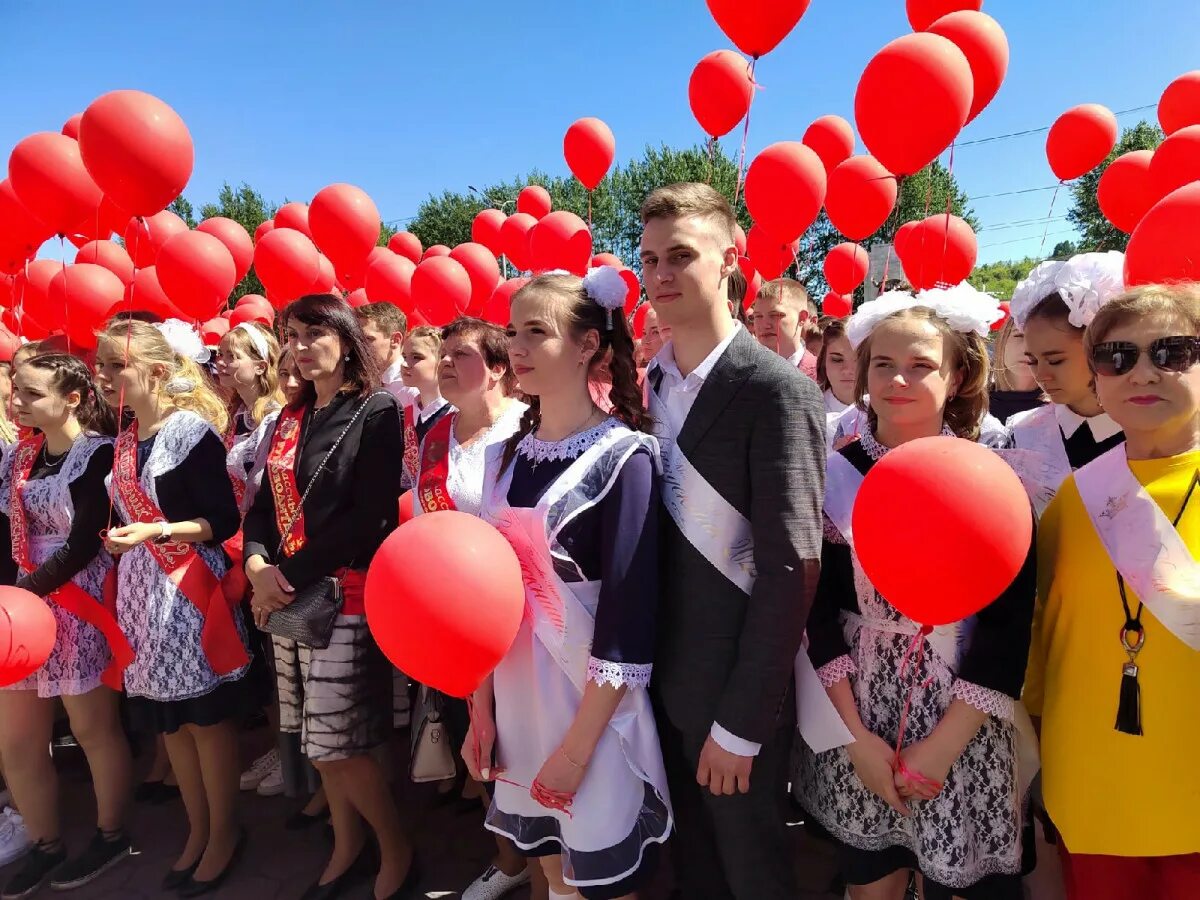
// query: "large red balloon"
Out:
[589,147]
[408,245]
[1179,105]
[757,26]
[846,267]
[975,511]
[1176,162]
[496,309]
[1124,192]
[923,13]
[262,229]
[235,239]
[213,330]
[47,173]
[109,254]
[436,250]
[983,42]
[145,237]
[607,259]
[293,215]
[252,312]
[80,298]
[28,631]
[785,188]
[71,126]
[560,241]
[739,239]
[445,579]
[357,297]
[940,250]
[832,139]
[406,507]
[912,101]
[287,263]
[720,91]
[9,344]
[900,238]
[486,227]
[390,279]
[534,200]
[860,197]
[103,222]
[836,305]
[345,225]
[1165,246]
[145,294]
[441,289]
[771,257]
[1080,140]
[1005,311]
[32,288]
[197,272]
[325,275]
[754,281]
[514,238]
[21,233]
[137,149]
[483,269]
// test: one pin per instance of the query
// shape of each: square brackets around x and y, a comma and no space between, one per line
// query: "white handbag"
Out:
[432,756]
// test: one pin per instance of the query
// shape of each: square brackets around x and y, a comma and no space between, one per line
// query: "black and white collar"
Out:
[1102,426]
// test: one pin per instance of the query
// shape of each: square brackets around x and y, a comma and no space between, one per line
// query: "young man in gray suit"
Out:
[742,434]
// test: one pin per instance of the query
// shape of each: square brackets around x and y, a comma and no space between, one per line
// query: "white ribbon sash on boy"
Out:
[1040,458]
[1142,543]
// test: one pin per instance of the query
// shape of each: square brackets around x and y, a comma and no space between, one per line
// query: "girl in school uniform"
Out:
[835,375]
[422,354]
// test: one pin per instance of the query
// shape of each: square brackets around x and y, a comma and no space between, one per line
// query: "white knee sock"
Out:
[570,894]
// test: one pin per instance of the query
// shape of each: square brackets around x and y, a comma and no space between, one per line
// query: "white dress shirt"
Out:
[1101,426]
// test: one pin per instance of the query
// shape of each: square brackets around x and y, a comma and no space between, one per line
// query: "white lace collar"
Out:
[1101,426]
[538,451]
[876,450]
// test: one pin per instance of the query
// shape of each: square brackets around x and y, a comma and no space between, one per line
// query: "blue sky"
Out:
[409,98]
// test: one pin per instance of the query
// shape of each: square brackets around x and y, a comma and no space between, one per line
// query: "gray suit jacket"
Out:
[757,434]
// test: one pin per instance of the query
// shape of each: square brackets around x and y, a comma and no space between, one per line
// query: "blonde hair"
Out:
[789,291]
[965,410]
[1176,301]
[147,347]
[690,198]
[1000,372]
[267,384]
[426,333]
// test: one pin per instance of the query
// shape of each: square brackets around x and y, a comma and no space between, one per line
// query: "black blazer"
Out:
[757,434]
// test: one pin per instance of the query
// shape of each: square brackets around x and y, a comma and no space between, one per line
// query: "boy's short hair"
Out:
[690,198]
[790,291]
[385,316]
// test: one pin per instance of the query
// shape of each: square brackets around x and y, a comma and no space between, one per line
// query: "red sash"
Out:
[100,614]
[239,486]
[412,449]
[235,584]
[281,473]
[187,571]
[435,467]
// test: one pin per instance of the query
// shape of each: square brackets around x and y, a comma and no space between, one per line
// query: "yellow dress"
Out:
[1107,792]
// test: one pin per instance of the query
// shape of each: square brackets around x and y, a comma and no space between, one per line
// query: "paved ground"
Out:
[279,864]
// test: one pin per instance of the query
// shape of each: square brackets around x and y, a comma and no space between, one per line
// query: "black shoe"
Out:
[406,891]
[155,792]
[194,888]
[100,856]
[177,878]
[300,820]
[36,868]
[359,869]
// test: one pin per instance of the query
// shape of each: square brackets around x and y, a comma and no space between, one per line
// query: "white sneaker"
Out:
[261,768]
[14,842]
[493,884]
[272,785]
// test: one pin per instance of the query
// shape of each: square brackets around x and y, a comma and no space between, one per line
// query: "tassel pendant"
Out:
[1129,710]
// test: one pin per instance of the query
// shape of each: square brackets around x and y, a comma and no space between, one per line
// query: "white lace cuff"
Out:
[835,670]
[994,703]
[633,675]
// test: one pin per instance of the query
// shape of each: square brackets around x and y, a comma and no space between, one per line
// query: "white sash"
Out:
[1142,543]
[1040,457]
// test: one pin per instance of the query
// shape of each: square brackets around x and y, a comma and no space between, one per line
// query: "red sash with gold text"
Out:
[100,614]
[281,474]
[239,486]
[187,571]
[435,467]
[412,450]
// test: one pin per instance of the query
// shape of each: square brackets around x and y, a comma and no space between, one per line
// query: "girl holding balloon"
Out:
[926,777]
[54,504]
[580,781]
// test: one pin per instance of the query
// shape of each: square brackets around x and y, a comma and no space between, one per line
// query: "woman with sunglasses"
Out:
[1114,670]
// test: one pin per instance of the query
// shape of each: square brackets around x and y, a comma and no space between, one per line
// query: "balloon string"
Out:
[128,343]
[62,249]
[741,173]
[1049,213]
[712,149]
[917,645]
[589,193]
[551,799]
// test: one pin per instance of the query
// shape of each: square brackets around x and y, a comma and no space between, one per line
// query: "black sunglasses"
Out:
[1170,354]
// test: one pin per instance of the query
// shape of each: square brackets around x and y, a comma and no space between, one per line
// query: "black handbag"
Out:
[309,618]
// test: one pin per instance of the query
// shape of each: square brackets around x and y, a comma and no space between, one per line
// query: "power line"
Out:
[1043,129]
[1026,223]
[1032,237]
[1049,187]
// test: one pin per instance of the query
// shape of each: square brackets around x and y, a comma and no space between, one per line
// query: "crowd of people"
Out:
[700,647]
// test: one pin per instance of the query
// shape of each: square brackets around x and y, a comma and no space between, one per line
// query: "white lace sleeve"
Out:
[994,703]
[835,670]
[618,674]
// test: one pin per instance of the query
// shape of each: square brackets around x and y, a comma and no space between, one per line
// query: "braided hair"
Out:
[70,373]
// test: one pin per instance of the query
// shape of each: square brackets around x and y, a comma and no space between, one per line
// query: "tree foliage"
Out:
[1000,278]
[1096,232]
[249,209]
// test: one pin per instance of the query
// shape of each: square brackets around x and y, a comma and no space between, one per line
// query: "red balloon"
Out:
[197,272]
[900,238]
[345,225]
[1176,162]
[408,245]
[757,26]
[80,298]
[71,126]
[846,267]
[739,239]
[983,42]
[860,197]
[145,237]
[514,238]
[1006,309]
[262,229]
[213,330]
[1124,192]
[639,321]
[1080,140]
[923,13]
[978,516]
[325,276]
[137,149]
[357,297]
[606,259]
[912,101]
[560,241]
[407,512]
[436,250]
[103,222]
[109,254]
[9,344]
[293,215]
[28,631]
[534,200]
[445,579]
[940,250]
[441,289]
[253,300]
[836,305]
[252,313]
[720,91]
[1179,105]
[32,288]
[771,257]
[754,281]
[390,279]
[483,270]
[47,173]
[785,188]
[496,309]
[589,147]
[486,227]
[145,294]
[21,233]
[832,139]
[287,263]
[1165,246]
[235,239]
[633,290]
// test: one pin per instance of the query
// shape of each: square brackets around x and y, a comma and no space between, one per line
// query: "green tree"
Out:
[182,208]
[1096,232]
[1000,278]
[249,209]
[1064,250]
